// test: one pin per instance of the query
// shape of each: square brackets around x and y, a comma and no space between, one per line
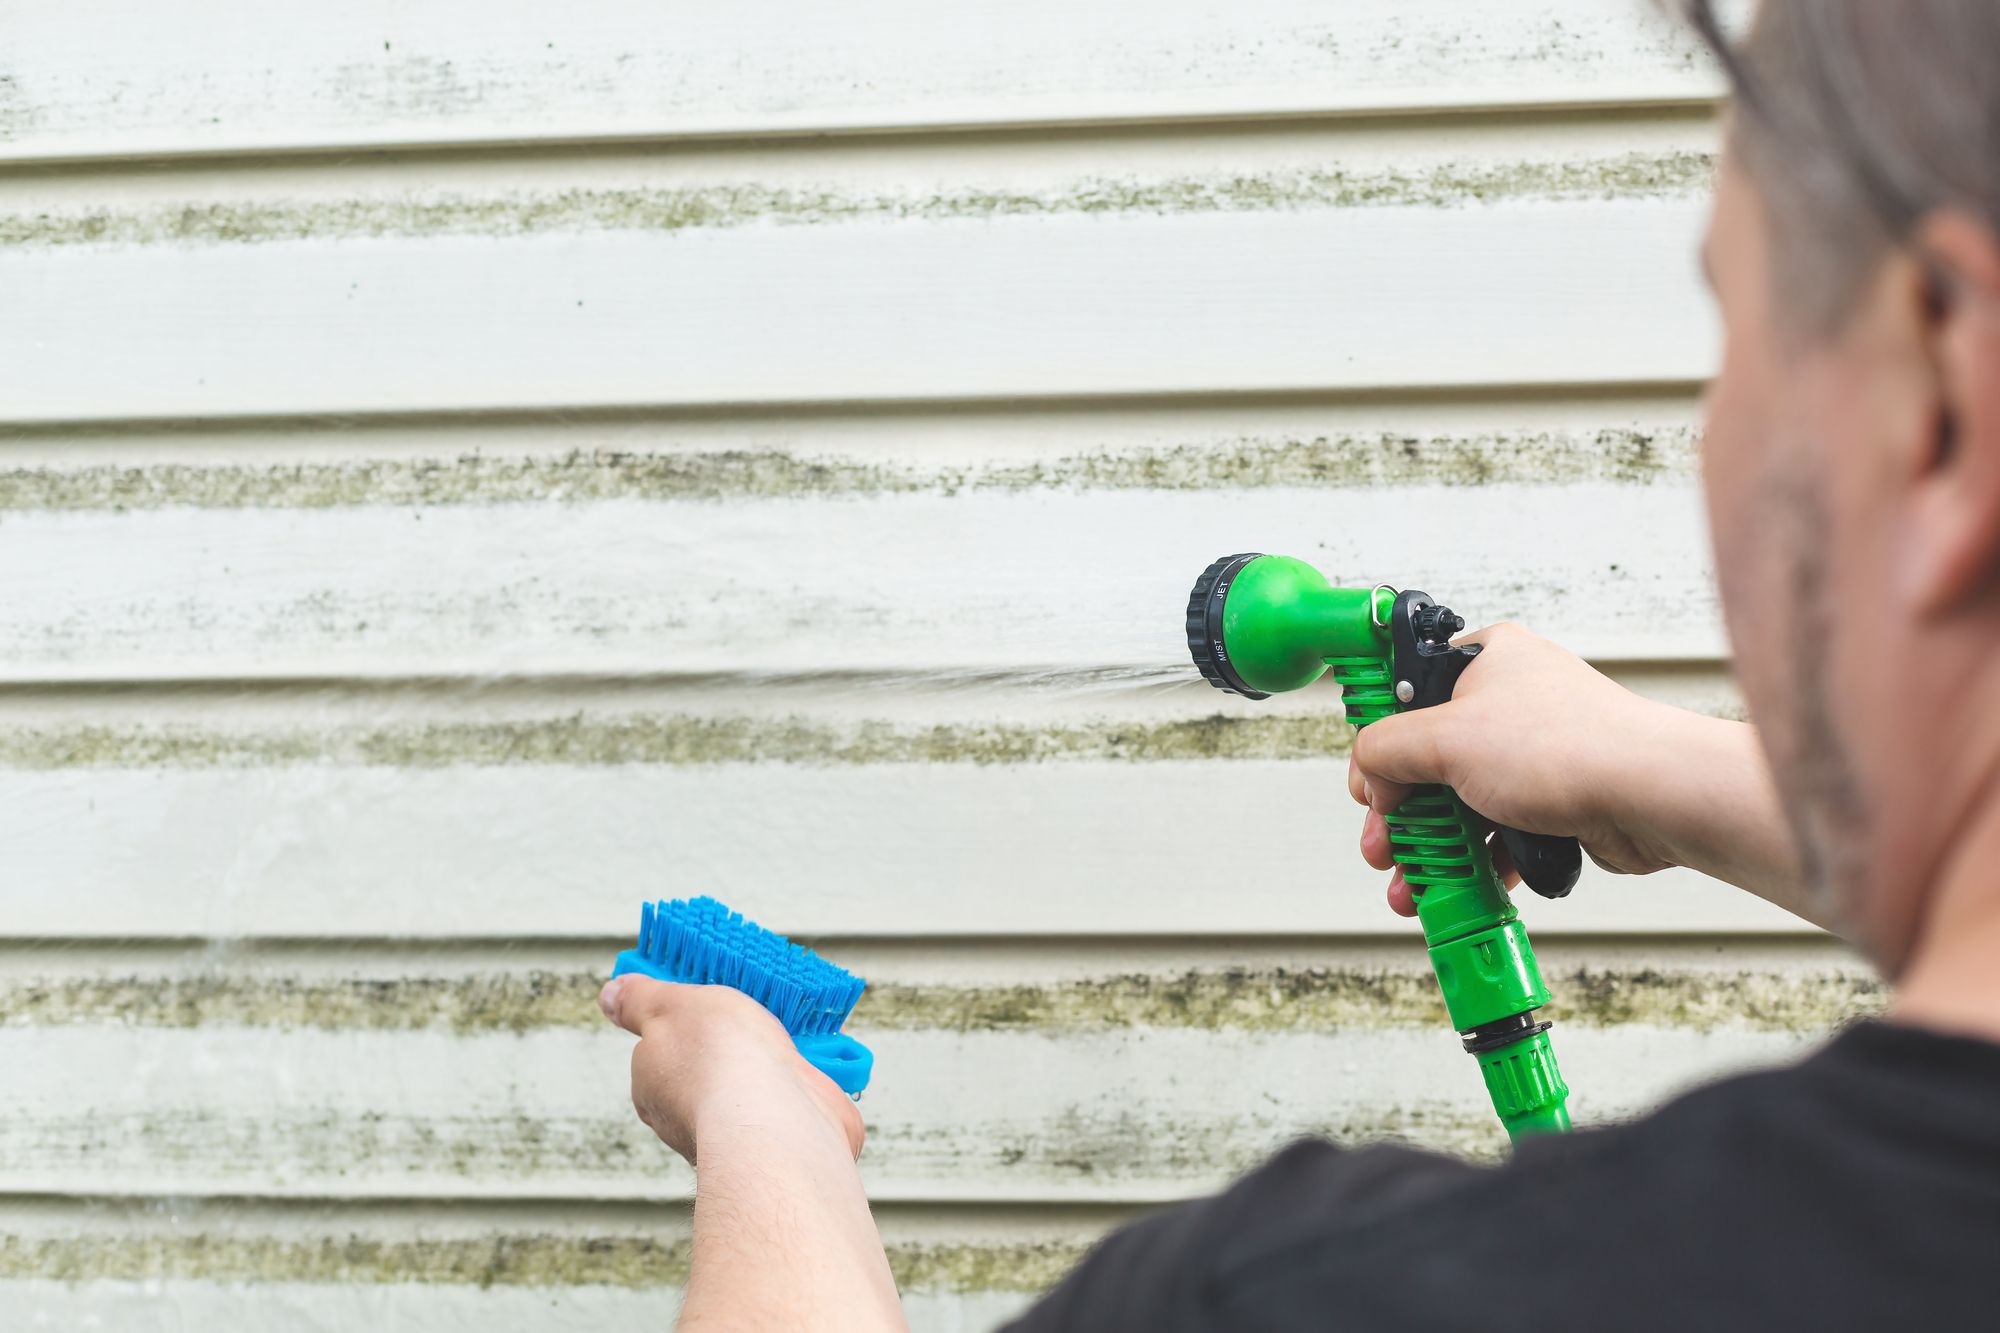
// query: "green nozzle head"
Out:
[1259,625]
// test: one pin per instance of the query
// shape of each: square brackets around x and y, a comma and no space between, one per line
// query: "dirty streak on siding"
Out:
[678,741]
[1330,1000]
[1151,1151]
[1545,458]
[1133,1147]
[683,740]
[1245,999]
[231,1151]
[1028,1267]
[524,1260]
[516,1260]
[482,1003]
[1625,176]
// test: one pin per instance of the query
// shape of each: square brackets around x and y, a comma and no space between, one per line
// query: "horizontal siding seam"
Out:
[1432,392]
[278,152]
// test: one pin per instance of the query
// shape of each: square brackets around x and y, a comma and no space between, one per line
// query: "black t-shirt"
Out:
[1859,1189]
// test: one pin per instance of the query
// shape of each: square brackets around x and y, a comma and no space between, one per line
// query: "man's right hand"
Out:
[1535,738]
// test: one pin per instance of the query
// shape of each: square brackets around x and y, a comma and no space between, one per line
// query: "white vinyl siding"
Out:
[465,469]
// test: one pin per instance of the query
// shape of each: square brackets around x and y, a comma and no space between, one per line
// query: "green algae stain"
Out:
[466,479]
[325,1144]
[1364,460]
[1337,999]
[481,1261]
[1109,1145]
[632,1262]
[1305,999]
[1309,999]
[1024,1267]
[678,741]
[1705,1001]
[1669,175]
[1353,461]
[470,1005]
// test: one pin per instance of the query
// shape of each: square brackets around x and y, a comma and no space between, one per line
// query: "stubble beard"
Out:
[1815,776]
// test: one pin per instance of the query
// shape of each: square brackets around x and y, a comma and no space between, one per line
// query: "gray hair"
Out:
[1856,118]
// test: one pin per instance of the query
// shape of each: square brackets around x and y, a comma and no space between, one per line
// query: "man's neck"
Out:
[1952,982]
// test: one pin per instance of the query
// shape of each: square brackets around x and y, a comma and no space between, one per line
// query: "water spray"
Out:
[1260,625]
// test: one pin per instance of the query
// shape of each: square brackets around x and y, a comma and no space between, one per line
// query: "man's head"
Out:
[1852,456]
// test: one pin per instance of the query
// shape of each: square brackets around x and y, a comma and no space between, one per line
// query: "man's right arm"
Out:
[1535,738]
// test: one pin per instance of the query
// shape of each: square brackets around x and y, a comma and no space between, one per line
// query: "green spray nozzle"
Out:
[1260,625]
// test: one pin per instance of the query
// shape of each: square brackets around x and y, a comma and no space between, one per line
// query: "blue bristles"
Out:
[699,940]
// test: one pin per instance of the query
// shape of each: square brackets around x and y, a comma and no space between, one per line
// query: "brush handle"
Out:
[840,1057]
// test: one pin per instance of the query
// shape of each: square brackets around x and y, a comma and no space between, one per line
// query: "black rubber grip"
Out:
[1548,864]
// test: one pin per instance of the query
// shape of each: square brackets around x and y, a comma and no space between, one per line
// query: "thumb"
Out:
[1399,752]
[634,1000]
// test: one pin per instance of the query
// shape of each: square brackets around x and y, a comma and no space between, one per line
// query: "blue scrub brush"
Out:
[698,940]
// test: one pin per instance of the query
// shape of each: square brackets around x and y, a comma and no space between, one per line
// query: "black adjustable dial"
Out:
[1204,625]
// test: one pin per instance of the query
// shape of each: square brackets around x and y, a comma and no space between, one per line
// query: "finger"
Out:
[1386,797]
[1375,849]
[1401,901]
[1357,782]
[1498,629]
[1401,751]
[632,1001]
[1503,860]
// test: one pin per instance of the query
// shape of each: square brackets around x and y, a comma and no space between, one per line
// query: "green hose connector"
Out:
[1480,952]
[1527,1089]
[1258,625]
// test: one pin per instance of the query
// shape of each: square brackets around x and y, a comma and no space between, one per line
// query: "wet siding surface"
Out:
[464,470]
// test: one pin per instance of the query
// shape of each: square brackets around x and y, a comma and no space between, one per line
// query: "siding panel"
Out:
[967,1117]
[1258,302]
[444,72]
[903,849]
[1022,1071]
[1037,581]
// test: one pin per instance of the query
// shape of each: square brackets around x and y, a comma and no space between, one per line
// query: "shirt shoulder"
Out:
[1176,1269]
[1834,1192]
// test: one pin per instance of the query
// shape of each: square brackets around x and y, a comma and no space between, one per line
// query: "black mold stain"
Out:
[523,1260]
[1354,461]
[678,741]
[1683,174]
[1230,999]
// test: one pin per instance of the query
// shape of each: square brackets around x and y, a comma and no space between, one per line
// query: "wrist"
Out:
[764,1097]
[1696,791]
[1637,785]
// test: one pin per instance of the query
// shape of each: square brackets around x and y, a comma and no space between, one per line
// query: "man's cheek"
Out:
[1751,577]
[1737,537]
[1730,441]
[1736,458]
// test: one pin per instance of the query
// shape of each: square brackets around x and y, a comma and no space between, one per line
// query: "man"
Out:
[1852,462]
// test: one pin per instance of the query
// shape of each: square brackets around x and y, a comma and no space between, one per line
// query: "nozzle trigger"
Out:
[1427,667]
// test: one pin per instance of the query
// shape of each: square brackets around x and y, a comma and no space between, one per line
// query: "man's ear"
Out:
[1959,495]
